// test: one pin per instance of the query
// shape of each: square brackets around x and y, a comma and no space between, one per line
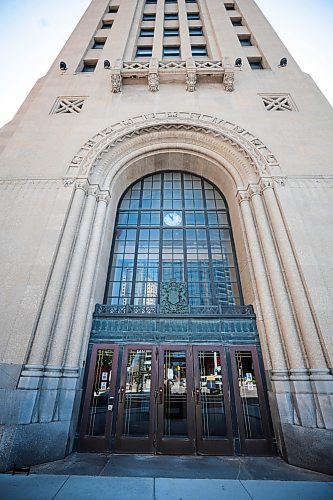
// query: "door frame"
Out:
[220,445]
[175,445]
[264,445]
[98,443]
[131,444]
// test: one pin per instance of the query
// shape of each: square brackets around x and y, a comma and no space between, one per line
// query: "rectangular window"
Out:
[255,63]
[149,17]
[171,51]
[236,21]
[106,25]
[199,50]
[190,1]
[196,31]
[193,16]
[171,1]
[171,17]
[98,44]
[245,41]
[147,32]
[146,51]
[171,31]
[148,2]
[89,66]
[114,8]
[229,6]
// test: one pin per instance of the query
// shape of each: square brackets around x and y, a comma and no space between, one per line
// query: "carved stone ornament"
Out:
[173,297]
[191,81]
[116,82]
[258,157]
[228,81]
[153,81]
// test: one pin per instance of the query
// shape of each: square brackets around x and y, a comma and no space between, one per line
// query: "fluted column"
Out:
[284,310]
[273,338]
[77,341]
[71,288]
[49,307]
[306,322]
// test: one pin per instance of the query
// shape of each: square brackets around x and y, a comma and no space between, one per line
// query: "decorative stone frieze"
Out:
[254,151]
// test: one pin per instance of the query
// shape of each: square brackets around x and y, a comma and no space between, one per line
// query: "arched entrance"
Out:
[247,173]
[187,378]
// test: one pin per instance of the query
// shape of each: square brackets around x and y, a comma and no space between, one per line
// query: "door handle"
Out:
[160,395]
[197,396]
[121,392]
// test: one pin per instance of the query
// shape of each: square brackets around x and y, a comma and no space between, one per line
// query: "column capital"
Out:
[82,184]
[93,191]
[266,183]
[254,190]
[242,195]
[104,196]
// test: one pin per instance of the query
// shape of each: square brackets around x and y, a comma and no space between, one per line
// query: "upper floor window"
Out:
[195,31]
[193,16]
[171,31]
[147,32]
[171,51]
[171,16]
[144,51]
[149,17]
[199,50]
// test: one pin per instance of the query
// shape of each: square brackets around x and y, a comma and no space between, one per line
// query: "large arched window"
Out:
[173,226]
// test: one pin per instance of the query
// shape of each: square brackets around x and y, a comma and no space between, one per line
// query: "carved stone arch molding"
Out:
[250,157]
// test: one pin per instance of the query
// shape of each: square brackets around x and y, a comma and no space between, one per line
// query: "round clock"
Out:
[172,219]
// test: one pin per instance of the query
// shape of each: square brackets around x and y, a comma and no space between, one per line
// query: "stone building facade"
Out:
[202,99]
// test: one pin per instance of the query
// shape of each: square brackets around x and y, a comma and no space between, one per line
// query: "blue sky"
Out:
[305,26]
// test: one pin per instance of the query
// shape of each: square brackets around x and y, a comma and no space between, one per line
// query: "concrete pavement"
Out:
[85,476]
[59,487]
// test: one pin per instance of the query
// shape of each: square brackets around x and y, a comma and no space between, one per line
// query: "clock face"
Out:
[172,219]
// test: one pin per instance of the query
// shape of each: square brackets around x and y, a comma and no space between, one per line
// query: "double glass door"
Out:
[178,399]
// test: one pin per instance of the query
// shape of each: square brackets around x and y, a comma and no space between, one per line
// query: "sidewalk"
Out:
[82,476]
[57,487]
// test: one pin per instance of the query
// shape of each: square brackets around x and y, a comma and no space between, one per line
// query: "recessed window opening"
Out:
[89,66]
[194,31]
[98,44]
[193,16]
[171,31]
[171,51]
[149,17]
[245,41]
[255,64]
[199,50]
[146,32]
[144,51]
[172,16]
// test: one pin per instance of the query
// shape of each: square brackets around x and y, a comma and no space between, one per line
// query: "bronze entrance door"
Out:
[175,399]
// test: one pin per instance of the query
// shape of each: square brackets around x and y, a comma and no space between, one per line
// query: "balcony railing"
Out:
[233,311]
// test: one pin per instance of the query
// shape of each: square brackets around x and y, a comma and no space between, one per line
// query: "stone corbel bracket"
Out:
[153,76]
[116,77]
[191,75]
[229,80]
